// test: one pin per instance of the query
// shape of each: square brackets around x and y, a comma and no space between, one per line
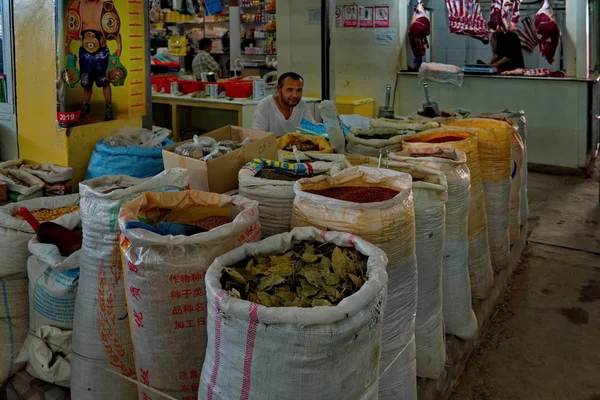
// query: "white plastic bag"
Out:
[459,318]
[15,233]
[430,191]
[276,197]
[390,225]
[101,329]
[134,136]
[165,288]
[261,353]
[14,323]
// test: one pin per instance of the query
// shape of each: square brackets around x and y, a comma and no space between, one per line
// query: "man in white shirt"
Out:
[283,112]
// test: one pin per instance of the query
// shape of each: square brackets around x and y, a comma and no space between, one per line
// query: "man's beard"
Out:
[288,103]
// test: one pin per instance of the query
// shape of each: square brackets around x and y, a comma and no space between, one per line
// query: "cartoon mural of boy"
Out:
[93,23]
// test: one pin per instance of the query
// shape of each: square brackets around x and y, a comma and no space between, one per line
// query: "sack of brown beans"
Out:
[376,205]
[271,183]
[15,233]
[21,184]
[164,278]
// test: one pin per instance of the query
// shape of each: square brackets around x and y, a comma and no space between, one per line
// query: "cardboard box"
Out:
[221,174]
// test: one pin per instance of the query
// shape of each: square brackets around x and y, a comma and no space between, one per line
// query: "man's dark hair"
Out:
[204,43]
[292,75]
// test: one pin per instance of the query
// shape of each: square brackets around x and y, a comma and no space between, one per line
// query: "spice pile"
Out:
[308,275]
[358,194]
[274,175]
[45,214]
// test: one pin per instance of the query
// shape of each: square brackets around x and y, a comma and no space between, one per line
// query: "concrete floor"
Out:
[544,341]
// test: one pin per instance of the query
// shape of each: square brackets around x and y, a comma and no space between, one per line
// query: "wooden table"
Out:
[224,111]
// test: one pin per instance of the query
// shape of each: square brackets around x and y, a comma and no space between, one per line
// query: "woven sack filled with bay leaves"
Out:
[459,318]
[390,225]
[494,143]
[102,345]
[272,353]
[480,264]
[430,191]
[275,196]
[172,335]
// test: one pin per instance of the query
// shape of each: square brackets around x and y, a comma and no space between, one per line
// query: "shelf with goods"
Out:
[258,28]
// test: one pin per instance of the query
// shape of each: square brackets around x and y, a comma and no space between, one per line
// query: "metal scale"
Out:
[480,69]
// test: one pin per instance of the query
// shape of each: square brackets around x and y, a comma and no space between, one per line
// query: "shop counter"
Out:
[182,112]
[562,129]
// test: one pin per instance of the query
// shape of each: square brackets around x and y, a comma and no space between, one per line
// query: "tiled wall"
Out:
[449,48]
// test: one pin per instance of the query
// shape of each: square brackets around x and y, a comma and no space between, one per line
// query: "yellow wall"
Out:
[40,140]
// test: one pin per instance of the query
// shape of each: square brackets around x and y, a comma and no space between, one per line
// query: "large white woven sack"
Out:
[273,353]
[370,145]
[164,278]
[276,198]
[459,318]
[14,323]
[53,281]
[430,191]
[15,233]
[390,225]
[517,155]
[101,336]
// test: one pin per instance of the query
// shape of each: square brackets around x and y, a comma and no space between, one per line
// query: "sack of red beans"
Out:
[376,205]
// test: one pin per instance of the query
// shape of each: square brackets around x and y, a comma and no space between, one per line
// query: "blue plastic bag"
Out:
[136,161]
[213,6]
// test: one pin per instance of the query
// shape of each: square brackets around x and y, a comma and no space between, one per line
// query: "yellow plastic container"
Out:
[364,106]
[346,105]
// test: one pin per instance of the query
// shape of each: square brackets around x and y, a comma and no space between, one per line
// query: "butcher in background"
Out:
[508,54]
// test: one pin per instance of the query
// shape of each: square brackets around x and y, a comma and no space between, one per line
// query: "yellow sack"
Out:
[495,140]
[480,265]
[390,225]
[304,143]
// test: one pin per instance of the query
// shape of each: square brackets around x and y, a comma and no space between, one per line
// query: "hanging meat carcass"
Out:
[496,15]
[420,28]
[528,35]
[465,18]
[547,27]
[516,15]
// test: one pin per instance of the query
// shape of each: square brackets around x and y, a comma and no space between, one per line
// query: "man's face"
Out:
[290,91]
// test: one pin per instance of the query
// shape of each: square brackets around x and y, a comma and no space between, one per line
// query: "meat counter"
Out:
[562,128]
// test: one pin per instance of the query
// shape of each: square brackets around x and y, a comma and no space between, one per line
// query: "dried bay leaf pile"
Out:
[308,275]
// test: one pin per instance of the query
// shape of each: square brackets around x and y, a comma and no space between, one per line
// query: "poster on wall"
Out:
[338,17]
[350,16]
[366,17]
[382,16]
[100,61]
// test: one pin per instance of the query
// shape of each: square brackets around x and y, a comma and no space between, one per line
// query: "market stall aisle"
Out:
[543,341]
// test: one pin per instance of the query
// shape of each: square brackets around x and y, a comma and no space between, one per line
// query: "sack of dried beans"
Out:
[376,205]
[21,184]
[101,335]
[264,348]
[480,264]
[271,183]
[459,318]
[15,233]
[164,278]
[494,142]
[430,191]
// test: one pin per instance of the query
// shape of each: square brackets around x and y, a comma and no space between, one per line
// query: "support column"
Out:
[327,30]
[576,38]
